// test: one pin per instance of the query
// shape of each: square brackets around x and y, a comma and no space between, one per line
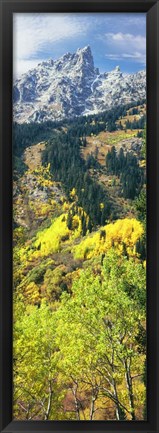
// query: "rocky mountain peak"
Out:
[116,72]
[71,86]
[85,50]
[117,69]
[85,53]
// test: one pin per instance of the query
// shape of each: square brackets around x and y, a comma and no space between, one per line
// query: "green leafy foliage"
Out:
[101,320]
[79,277]
[35,379]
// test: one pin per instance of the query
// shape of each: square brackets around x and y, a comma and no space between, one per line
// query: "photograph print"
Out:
[79,216]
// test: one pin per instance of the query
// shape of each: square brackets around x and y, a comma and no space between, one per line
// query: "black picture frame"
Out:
[151,7]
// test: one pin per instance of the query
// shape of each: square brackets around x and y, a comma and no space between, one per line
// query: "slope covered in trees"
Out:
[79,272]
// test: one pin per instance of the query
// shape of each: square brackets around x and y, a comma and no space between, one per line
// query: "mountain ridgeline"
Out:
[71,86]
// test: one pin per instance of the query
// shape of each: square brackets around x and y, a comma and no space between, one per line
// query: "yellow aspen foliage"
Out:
[32,293]
[101,205]
[65,206]
[76,225]
[122,234]
[73,193]
[48,240]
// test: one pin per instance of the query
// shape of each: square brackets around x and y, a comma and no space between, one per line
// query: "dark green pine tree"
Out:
[84,141]
[90,225]
[103,217]
[121,160]
[69,221]
[84,226]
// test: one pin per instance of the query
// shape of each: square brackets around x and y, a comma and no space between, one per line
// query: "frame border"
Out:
[151,8]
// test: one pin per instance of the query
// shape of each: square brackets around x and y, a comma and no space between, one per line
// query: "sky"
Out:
[115,39]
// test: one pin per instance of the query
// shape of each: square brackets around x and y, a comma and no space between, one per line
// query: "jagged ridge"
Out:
[71,86]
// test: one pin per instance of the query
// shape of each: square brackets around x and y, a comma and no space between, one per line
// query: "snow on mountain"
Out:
[71,86]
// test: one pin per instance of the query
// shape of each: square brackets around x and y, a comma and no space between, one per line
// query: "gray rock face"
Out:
[71,86]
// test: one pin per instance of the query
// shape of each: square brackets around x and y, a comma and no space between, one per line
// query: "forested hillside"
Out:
[79,204]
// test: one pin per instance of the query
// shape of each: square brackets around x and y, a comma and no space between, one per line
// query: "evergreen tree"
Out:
[69,221]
